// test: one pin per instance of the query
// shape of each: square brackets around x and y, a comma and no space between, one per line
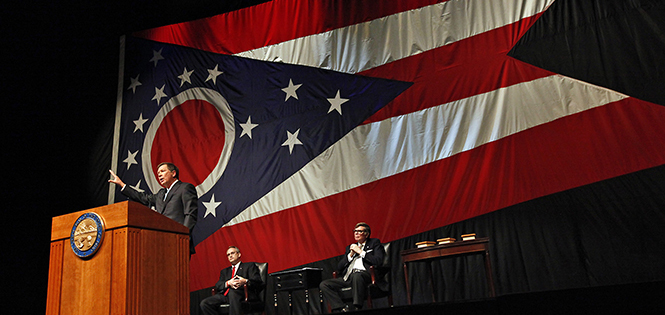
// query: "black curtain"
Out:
[617,44]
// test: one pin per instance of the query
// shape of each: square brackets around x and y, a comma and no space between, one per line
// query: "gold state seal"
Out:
[87,234]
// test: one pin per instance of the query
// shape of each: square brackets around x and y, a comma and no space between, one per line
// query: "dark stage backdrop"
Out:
[571,197]
[57,134]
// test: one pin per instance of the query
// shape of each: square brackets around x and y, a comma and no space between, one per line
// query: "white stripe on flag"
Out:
[364,46]
[381,149]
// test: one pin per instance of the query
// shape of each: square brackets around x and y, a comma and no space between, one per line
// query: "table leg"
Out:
[488,273]
[429,270]
[406,281]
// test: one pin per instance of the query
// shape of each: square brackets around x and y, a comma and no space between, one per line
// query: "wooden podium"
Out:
[141,265]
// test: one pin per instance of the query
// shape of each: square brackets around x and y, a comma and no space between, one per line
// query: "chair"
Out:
[249,305]
[380,285]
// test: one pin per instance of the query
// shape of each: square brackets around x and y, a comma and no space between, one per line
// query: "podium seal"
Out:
[87,235]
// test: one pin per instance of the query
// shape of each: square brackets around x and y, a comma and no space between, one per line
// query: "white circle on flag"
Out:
[221,104]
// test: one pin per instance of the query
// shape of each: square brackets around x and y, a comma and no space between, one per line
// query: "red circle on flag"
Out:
[191,136]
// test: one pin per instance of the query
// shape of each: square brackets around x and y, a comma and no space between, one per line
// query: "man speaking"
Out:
[176,200]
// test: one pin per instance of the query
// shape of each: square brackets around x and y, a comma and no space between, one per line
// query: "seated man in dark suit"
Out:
[230,285]
[360,255]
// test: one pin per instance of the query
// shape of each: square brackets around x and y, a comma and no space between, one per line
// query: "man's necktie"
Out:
[233,273]
[351,264]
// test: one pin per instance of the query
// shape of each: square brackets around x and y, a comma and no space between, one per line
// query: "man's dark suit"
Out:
[181,204]
[234,297]
[374,255]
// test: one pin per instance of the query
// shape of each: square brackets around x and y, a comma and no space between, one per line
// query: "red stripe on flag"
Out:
[279,20]
[469,67]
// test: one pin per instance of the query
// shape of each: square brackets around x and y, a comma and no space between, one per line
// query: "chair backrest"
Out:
[384,270]
[263,272]
[386,258]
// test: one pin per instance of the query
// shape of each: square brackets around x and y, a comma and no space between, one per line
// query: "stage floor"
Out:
[642,298]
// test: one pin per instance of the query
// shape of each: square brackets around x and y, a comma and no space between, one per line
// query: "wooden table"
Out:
[477,246]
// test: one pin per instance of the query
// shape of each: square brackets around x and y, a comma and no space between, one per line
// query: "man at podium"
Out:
[176,200]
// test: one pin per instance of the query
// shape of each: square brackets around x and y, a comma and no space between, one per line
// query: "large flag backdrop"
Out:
[297,119]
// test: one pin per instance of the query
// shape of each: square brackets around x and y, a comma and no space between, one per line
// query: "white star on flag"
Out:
[247,127]
[156,56]
[291,90]
[159,93]
[211,206]
[213,74]
[135,82]
[185,77]
[131,159]
[336,103]
[139,123]
[291,140]
[137,186]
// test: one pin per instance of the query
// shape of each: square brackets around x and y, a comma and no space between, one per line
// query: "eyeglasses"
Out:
[359,231]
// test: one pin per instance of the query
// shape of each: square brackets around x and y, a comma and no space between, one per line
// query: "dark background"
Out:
[59,83]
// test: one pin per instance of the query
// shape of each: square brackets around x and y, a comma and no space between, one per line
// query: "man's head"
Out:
[167,173]
[233,254]
[361,232]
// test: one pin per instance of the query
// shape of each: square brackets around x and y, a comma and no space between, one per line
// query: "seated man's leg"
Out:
[210,305]
[330,289]
[359,282]
[235,299]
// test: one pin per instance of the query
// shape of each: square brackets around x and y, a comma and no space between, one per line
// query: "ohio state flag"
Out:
[297,119]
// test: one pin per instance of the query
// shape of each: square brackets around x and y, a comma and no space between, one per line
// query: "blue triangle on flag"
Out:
[283,116]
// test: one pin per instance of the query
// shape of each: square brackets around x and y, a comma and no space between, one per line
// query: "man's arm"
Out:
[344,262]
[254,276]
[375,253]
[220,286]
[144,198]
[190,205]
[249,274]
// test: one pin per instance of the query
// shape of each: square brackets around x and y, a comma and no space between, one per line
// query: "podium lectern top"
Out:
[121,214]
